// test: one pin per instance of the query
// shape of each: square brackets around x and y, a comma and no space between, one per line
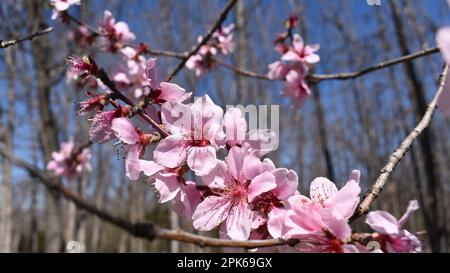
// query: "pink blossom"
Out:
[443,41]
[203,60]
[296,86]
[301,53]
[68,162]
[162,92]
[278,70]
[200,64]
[193,131]
[224,36]
[115,34]
[235,134]
[101,130]
[242,192]
[135,142]
[96,102]
[392,237]
[321,223]
[83,66]
[170,185]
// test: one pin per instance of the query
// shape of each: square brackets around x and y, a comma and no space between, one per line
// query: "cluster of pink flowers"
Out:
[293,67]
[238,187]
[243,193]
[115,37]
[221,43]
[68,162]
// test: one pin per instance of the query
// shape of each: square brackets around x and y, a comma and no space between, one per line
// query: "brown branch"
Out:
[143,230]
[398,154]
[206,37]
[103,76]
[315,78]
[7,43]
[243,72]
[352,75]
[167,53]
[150,231]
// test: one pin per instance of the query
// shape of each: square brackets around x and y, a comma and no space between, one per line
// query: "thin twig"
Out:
[205,39]
[5,44]
[110,84]
[352,75]
[398,154]
[315,78]
[243,72]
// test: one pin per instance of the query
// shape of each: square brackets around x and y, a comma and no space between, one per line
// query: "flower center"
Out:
[264,203]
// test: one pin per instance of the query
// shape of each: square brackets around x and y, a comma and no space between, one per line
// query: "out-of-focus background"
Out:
[345,125]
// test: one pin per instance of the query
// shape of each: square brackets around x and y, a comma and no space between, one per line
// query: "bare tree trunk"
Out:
[40,50]
[240,50]
[418,95]
[318,109]
[99,196]
[6,190]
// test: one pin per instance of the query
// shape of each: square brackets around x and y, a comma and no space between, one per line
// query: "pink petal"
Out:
[336,224]
[290,56]
[260,184]
[312,58]
[383,222]
[173,92]
[101,131]
[235,126]
[211,212]
[252,166]
[188,199]
[167,185]
[346,200]
[205,112]
[303,220]
[132,162]
[234,160]
[298,43]
[152,73]
[278,70]
[177,117]
[262,140]
[443,42]
[219,177]
[322,189]
[276,222]
[124,130]
[239,222]
[355,176]
[287,183]
[149,167]
[412,207]
[202,160]
[171,151]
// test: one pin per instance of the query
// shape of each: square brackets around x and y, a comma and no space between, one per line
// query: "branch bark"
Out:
[7,43]
[206,37]
[398,154]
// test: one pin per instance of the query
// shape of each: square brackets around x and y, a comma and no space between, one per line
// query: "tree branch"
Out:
[206,37]
[7,43]
[315,78]
[398,154]
[352,75]
[143,230]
